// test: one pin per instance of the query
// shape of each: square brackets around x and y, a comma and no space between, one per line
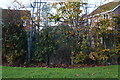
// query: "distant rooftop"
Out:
[105,7]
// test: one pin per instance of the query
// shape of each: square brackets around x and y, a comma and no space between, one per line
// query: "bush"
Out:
[49,41]
[104,56]
[79,58]
[14,43]
[44,45]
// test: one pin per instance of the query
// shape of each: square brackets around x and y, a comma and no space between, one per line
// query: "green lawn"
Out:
[95,72]
[0,72]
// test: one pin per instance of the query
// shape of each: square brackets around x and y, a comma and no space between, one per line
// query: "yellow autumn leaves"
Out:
[99,56]
[80,57]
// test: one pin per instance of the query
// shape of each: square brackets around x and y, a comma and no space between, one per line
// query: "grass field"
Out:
[0,72]
[94,72]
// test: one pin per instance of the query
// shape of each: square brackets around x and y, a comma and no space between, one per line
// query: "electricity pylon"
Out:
[36,6]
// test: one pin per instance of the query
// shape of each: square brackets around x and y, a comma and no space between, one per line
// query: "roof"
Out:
[14,16]
[105,7]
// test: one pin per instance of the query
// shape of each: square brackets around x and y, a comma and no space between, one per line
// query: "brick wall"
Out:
[14,16]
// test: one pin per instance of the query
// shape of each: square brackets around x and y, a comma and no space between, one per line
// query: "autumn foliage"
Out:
[72,41]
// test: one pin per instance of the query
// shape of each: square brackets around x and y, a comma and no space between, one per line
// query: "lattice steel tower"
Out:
[36,21]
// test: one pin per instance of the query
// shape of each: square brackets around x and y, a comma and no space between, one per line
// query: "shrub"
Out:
[14,43]
[44,45]
[79,58]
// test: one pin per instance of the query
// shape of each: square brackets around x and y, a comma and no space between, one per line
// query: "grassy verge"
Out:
[94,72]
[0,72]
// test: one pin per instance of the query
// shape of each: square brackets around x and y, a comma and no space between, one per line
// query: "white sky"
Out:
[7,3]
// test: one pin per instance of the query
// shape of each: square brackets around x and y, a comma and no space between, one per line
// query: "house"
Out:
[104,12]
[18,17]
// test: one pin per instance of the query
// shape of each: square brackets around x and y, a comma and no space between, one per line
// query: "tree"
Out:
[14,40]
[72,37]
[14,37]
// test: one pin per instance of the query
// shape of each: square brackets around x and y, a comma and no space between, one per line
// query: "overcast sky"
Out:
[7,3]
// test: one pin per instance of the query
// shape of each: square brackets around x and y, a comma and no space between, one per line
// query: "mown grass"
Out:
[0,72]
[93,72]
